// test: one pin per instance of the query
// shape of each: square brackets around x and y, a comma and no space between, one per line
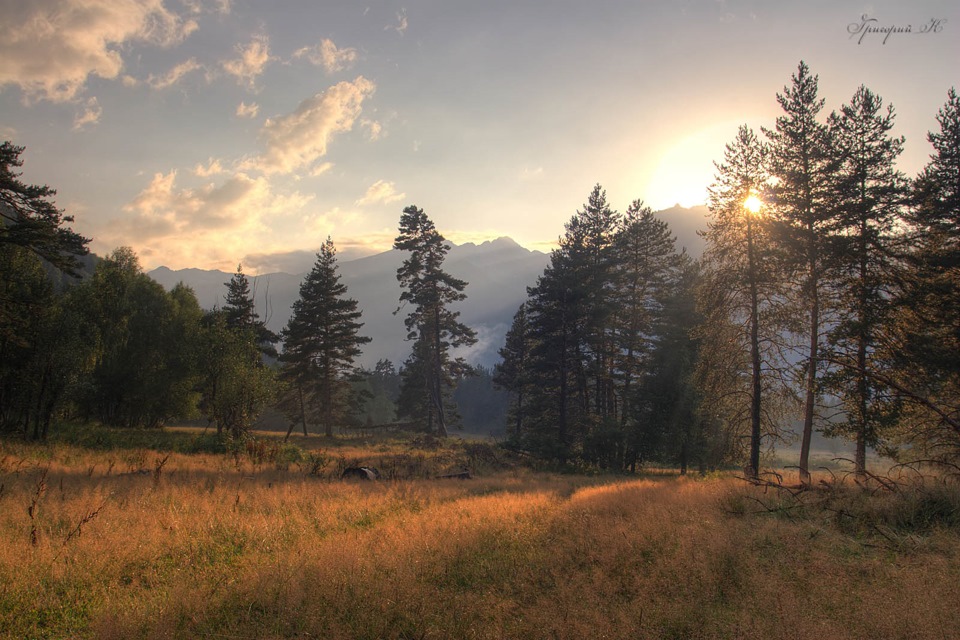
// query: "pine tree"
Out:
[739,297]
[645,265]
[29,219]
[239,310]
[431,372]
[932,299]
[668,402]
[590,247]
[511,372]
[580,345]
[922,347]
[241,315]
[800,199]
[551,428]
[321,343]
[870,196]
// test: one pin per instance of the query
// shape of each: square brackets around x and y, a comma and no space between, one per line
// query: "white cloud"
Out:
[321,169]
[213,168]
[529,175]
[90,116]
[374,128]
[251,63]
[298,139]
[327,55]
[201,6]
[380,192]
[245,110]
[173,76]
[173,225]
[401,26]
[49,48]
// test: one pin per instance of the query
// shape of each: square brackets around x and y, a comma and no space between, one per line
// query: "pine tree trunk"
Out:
[303,410]
[860,458]
[811,382]
[438,376]
[754,468]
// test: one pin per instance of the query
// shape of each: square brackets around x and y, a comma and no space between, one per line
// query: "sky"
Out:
[203,133]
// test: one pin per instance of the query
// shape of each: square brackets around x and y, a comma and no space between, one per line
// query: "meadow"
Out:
[161,539]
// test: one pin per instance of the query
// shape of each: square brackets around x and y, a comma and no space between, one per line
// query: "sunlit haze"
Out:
[206,132]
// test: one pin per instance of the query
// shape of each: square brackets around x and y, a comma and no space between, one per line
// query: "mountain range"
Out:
[498,273]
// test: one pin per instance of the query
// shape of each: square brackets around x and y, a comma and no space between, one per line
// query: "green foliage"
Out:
[98,437]
[869,194]
[380,390]
[581,349]
[802,165]
[430,374]
[241,315]
[924,351]
[145,371]
[235,386]
[29,219]
[482,407]
[321,342]
[44,347]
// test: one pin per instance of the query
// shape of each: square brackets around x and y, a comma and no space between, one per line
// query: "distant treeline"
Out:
[828,296]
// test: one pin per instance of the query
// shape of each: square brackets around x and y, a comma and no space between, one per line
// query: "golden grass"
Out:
[219,548]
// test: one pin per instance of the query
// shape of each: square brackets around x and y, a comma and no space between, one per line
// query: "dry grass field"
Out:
[143,543]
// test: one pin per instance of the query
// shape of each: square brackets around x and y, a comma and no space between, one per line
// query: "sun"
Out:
[685,167]
[752,203]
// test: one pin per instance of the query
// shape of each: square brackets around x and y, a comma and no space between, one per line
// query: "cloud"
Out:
[380,192]
[401,26]
[374,128]
[302,260]
[213,224]
[293,262]
[251,63]
[321,169]
[90,116]
[298,139]
[327,55]
[49,48]
[529,175]
[199,6]
[213,168]
[245,110]
[173,76]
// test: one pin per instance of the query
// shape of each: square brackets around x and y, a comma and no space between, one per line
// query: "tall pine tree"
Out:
[925,340]
[740,298]
[646,266]
[800,198]
[870,196]
[431,372]
[511,372]
[321,343]
[241,314]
